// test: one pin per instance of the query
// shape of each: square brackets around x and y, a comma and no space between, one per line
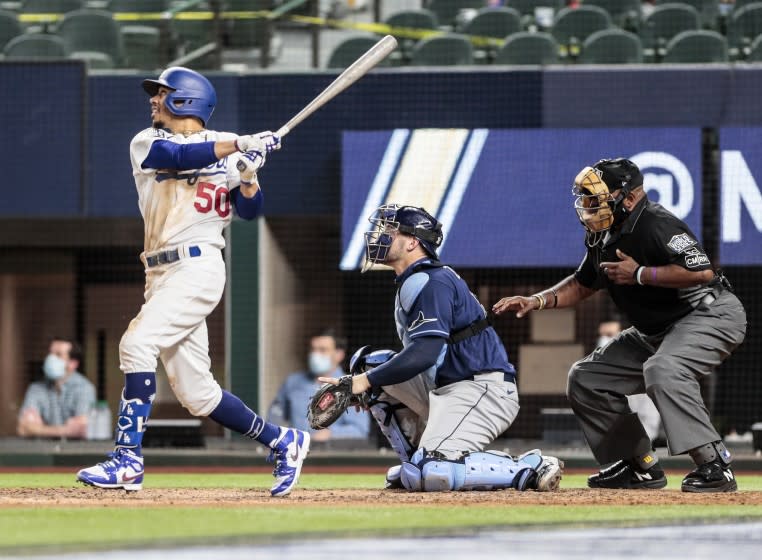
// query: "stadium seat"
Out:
[738,4]
[700,46]
[443,50]
[447,10]
[527,9]
[496,23]
[94,60]
[612,46]
[192,33]
[142,44]
[36,46]
[665,22]
[709,10]
[92,31]
[140,7]
[414,19]
[349,50]
[572,26]
[745,26]
[248,33]
[528,48]
[624,13]
[50,6]
[9,27]
[755,51]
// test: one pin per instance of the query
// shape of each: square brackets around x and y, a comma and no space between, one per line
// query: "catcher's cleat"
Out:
[394,478]
[124,470]
[549,474]
[624,475]
[289,452]
[715,476]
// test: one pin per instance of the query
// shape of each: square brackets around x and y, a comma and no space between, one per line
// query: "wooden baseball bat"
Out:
[357,70]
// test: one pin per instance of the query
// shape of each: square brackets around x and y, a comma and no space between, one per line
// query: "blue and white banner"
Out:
[504,196]
[741,196]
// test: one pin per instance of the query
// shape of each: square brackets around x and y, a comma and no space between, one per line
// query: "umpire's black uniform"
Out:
[678,336]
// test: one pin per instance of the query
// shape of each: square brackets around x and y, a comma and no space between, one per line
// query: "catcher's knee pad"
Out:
[383,413]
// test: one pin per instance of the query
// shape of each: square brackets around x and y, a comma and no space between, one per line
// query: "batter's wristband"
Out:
[638,272]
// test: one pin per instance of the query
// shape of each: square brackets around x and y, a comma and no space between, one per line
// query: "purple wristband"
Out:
[653,274]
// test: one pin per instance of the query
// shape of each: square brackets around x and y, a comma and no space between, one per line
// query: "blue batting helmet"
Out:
[410,220]
[192,94]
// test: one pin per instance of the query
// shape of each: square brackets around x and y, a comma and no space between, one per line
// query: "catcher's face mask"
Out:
[381,236]
[594,204]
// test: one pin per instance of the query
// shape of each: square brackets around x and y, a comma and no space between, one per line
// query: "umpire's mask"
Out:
[596,207]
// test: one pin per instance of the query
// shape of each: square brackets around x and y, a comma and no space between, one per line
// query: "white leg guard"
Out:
[384,415]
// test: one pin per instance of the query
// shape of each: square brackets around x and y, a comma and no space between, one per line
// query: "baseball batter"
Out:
[189,181]
[685,319]
[451,391]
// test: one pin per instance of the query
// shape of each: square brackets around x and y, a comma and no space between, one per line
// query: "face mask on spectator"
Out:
[319,363]
[54,367]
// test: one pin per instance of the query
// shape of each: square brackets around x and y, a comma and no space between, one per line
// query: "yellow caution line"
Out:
[377,28]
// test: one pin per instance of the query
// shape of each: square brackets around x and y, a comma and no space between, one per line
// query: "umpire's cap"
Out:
[620,173]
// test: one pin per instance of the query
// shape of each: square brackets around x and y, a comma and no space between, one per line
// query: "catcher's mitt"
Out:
[331,401]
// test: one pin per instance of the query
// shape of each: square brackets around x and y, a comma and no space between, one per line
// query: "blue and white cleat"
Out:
[124,470]
[289,452]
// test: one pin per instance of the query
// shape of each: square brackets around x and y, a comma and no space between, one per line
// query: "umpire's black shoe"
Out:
[710,477]
[624,475]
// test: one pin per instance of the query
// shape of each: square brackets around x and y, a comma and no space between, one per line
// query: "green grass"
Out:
[28,529]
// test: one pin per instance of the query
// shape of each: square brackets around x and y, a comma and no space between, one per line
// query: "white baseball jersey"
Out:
[181,207]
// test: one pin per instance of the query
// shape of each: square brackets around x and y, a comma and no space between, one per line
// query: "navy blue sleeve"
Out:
[169,155]
[417,357]
[247,208]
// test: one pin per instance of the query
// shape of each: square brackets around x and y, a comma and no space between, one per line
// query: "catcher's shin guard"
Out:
[483,470]
[384,415]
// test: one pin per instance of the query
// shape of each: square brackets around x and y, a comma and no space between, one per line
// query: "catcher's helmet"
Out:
[365,359]
[192,94]
[596,207]
[410,220]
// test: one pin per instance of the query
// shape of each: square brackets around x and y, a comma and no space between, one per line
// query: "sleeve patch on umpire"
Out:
[681,242]
[694,258]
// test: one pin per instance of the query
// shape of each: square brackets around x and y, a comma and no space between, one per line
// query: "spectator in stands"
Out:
[60,405]
[326,353]
[640,404]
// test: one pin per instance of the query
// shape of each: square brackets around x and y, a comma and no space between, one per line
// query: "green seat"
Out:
[248,33]
[92,30]
[709,10]
[142,47]
[612,46]
[152,7]
[755,50]
[528,48]
[443,50]
[10,27]
[493,22]
[699,46]
[50,6]
[414,19]
[738,4]
[447,10]
[664,23]
[36,46]
[745,26]
[496,23]
[572,26]
[624,13]
[349,50]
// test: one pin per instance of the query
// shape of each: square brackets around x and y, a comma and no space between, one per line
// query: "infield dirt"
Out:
[216,497]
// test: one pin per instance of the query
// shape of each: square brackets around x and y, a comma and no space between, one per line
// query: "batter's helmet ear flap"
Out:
[192,94]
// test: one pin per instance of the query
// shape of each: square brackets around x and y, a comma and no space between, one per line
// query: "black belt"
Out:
[170,256]
[471,330]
